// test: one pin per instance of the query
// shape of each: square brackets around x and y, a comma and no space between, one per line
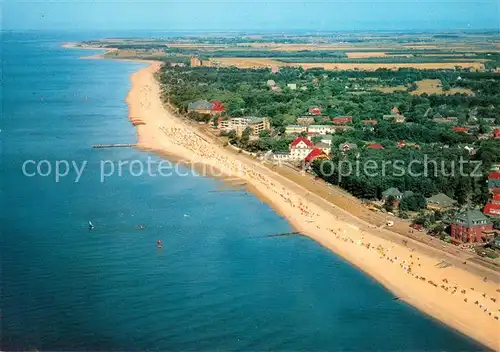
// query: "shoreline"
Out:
[385,260]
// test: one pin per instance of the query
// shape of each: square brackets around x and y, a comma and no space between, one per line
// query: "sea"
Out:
[220,281]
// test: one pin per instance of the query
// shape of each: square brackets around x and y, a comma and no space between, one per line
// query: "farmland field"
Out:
[267,62]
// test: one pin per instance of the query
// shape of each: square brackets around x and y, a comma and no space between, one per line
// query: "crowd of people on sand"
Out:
[411,264]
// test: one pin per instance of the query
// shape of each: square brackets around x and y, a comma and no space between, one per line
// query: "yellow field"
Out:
[264,62]
[433,86]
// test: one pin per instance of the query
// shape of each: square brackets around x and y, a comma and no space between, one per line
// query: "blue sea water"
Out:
[216,284]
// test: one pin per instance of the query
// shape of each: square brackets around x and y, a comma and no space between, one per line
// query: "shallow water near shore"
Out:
[217,283]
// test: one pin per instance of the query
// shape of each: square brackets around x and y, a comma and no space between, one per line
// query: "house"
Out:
[374,146]
[276,89]
[239,124]
[195,61]
[315,111]
[397,118]
[496,133]
[292,86]
[394,192]
[440,202]
[305,120]
[368,125]
[326,139]
[281,156]
[445,120]
[275,69]
[468,227]
[270,83]
[460,129]
[494,182]
[342,120]
[324,147]
[295,129]
[492,208]
[345,147]
[320,129]
[258,124]
[300,148]
[403,144]
[201,107]
[395,111]
[217,107]
[177,64]
[316,153]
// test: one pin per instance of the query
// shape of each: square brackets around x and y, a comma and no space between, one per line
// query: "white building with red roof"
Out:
[300,148]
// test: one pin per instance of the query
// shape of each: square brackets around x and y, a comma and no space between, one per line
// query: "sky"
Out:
[250,15]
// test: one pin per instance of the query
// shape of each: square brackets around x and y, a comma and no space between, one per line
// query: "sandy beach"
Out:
[456,297]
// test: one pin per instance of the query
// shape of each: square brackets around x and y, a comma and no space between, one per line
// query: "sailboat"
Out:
[91,226]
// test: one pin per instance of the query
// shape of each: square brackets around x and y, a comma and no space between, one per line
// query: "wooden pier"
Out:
[113,145]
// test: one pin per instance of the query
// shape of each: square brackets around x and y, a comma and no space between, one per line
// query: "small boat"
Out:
[159,244]
[91,226]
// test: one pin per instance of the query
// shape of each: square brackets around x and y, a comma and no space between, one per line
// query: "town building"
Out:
[271,83]
[468,227]
[440,202]
[324,147]
[369,125]
[281,156]
[396,118]
[200,107]
[195,61]
[345,147]
[394,192]
[316,153]
[320,129]
[205,107]
[305,120]
[494,182]
[315,111]
[492,208]
[295,129]
[375,146]
[300,148]
[239,124]
[445,120]
[326,139]
[496,133]
[342,120]
[460,129]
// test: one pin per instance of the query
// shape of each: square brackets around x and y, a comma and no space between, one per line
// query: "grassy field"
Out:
[426,86]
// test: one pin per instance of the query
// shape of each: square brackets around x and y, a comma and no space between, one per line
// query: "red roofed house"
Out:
[342,120]
[492,208]
[316,153]
[315,111]
[460,129]
[369,122]
[395,110]
[469,226]
[494,182]
[496,133]
[217,107]
[375,146]
[401,144]
[300,148]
